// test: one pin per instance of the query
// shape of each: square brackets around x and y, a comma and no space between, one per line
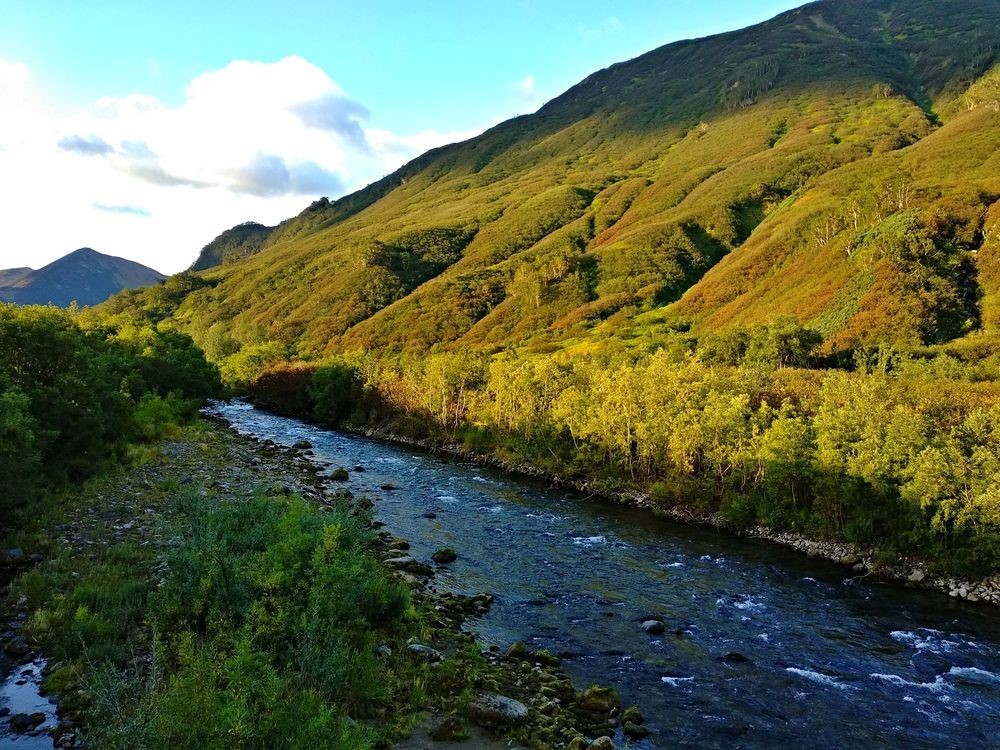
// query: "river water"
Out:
[823,661]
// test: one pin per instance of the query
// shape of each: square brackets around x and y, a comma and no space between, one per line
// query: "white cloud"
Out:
[132,176]
[527,95]
[525,89]
[607,27]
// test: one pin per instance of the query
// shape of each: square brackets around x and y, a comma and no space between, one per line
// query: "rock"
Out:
[632,715]
[360,469]
[599,700]
[340,474]
[546,658]
[445,555]
[518,651]
[917,576]
[384,650]
[449,729]
[635,731]
[430,514]
[735,657]
[603,743]
[23,723]
[410,565]
[495,710]
[859,567]
[17,647]
[653,627]
[301,445]
[424,652]
[388,487]
[849,560]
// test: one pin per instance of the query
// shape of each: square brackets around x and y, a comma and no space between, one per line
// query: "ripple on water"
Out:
[927,639]
[676,681]
[975,674]
[590,541]
[818,677]
[938,686]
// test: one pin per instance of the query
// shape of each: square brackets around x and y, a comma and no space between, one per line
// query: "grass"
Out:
[175,615]
[725,177]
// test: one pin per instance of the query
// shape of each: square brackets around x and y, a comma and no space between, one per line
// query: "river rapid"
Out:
[763,648]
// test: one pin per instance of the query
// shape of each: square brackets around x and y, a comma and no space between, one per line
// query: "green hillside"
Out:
[783,169]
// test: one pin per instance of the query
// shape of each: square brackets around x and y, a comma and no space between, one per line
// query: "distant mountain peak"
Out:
[84,276]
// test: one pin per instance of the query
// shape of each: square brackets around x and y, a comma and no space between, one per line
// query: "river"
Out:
[815,659]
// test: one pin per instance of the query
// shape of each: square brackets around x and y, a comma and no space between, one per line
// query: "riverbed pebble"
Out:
[653,627]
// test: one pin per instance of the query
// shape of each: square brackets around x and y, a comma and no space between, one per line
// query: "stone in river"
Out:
[653,627]
[445,555]
[599,700]
[735,657]
[635,731]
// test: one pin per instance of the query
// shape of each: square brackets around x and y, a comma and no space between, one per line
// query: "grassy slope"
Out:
[720,172]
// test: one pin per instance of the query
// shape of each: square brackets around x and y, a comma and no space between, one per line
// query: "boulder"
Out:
[301,445]
[410,565]
[17,647]
[518,651]
[632,715]
[23,723]
[448,729]
[497,711]
[603,743]
[445,555]
[635,731]
[599,699]
[653,627]
[917,576]
[735,657]
[424,652]
[340,474]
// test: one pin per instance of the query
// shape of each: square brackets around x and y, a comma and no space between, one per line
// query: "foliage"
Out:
[72,396]
[900,452]
[771,181]
[266,629]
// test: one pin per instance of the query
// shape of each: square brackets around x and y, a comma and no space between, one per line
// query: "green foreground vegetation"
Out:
[176,614]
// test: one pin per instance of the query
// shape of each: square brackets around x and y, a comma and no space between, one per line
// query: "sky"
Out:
[143,130]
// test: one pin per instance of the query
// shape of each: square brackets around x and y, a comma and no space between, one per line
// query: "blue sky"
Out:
[400,70]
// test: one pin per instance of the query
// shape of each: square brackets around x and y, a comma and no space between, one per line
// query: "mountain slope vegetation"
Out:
[716,182]
[753,277]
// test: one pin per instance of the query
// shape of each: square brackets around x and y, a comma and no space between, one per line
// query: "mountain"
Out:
[234,244]
[9,275]
[839,163]
[85,276]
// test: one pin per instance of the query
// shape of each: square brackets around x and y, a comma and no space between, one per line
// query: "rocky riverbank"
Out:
[507,697]
[861,562]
